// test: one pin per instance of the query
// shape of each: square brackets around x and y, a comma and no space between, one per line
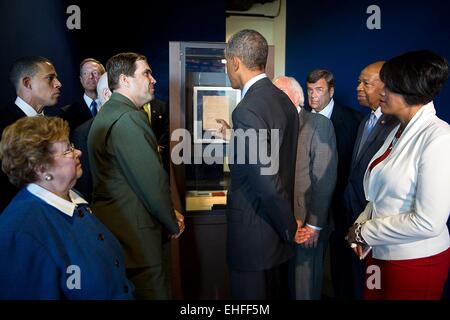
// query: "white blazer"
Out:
[409,192]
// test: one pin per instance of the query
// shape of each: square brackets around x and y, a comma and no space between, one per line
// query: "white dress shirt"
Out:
[88,101]
[409,191]
[55,201]
[252,82]
[26,108]
[378,113]
[327,111]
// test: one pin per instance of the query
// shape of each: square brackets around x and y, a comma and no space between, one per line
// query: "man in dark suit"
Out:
[260,222]
[80,111]
[79,139]
[372,133]
[315,178]
[131,189]
[37,86]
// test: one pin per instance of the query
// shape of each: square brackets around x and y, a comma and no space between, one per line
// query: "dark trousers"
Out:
[271,284]
[153,283]
[347,271]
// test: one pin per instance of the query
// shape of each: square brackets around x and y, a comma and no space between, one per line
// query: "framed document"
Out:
[211,103]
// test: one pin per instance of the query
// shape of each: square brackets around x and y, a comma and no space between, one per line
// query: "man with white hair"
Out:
[103,92]
[79,139]
[315,178]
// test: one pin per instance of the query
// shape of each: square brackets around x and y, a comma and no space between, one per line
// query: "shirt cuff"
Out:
[314,227]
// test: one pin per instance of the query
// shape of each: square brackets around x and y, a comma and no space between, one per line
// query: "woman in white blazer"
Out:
[407,185]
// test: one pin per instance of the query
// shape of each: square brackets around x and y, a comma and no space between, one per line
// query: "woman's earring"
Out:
[48,177]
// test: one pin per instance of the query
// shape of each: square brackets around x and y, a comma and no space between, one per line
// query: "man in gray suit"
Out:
[315,179]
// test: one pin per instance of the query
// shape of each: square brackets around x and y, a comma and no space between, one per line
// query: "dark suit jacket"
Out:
[346,122]
[8,115]
[76,113]
[131,189]
[260,219]
[79,139]
[316,169]
[160,126]
[355,200]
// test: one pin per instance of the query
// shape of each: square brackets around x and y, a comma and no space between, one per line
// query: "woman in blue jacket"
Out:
[51,246]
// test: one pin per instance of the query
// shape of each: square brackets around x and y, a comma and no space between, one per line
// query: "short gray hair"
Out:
[249,46]
[297,88]
[102,84]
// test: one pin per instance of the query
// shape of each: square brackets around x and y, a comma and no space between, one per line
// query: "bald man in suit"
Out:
[315,178]
[372,132]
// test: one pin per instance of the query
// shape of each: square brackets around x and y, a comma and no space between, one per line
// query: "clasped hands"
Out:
[181,226]
[306,236]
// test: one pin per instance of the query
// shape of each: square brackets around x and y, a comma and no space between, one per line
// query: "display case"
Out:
[200,93]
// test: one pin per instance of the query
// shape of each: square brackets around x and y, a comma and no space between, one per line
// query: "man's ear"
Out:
[106,93]
[26,82]
[123,81]
[297,99]
[236,62]
[331,92]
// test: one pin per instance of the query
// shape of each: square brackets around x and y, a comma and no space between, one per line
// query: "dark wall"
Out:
[39,28]
[333,35]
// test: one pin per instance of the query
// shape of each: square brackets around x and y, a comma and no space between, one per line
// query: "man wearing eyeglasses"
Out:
[80,111]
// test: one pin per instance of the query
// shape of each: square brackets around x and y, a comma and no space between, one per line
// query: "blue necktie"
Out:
[93,108]
[370,124]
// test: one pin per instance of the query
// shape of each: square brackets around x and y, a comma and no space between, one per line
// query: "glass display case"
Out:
[200,93]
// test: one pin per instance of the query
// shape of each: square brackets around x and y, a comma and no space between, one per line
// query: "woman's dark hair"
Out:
[417,76]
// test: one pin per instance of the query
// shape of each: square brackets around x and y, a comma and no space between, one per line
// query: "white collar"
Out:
[327,111]
[52,199]
[252,82]
[298,109]
[377,113]
[26,108]
[88,100]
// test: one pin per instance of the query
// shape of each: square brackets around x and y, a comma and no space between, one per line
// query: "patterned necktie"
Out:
[93,108]
[370,124]
[148,110]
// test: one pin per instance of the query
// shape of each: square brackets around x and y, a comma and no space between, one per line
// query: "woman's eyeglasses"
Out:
[68,153]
